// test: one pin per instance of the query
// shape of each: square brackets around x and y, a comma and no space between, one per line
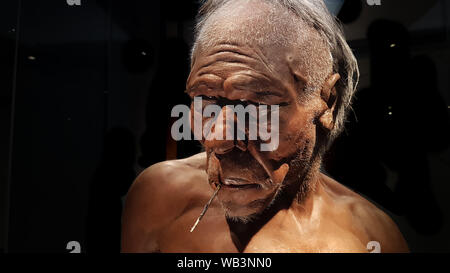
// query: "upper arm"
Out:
[390,237]
[147,210]
[382,229]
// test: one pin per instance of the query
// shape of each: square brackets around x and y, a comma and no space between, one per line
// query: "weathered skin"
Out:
[313,213]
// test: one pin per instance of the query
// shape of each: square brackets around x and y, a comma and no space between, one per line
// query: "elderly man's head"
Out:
[289,53]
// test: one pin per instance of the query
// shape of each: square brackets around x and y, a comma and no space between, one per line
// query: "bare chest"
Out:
[213,234]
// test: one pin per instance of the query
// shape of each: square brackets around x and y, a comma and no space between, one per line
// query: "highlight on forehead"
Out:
[251,21]
[261,24]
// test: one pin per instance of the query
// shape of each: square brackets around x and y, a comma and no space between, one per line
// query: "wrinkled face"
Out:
[247,72]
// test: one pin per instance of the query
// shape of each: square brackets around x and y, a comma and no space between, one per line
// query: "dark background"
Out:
[85,98]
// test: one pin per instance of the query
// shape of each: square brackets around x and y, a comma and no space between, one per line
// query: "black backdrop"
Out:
[89,89]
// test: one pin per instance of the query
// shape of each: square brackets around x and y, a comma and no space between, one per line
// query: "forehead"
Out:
[251,22]
[281,42]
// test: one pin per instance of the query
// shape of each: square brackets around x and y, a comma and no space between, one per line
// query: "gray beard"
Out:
[301,177]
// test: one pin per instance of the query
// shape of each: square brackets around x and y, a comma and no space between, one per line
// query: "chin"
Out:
[238,208]
[241,214]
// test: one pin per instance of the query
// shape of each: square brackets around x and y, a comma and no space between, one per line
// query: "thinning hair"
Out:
[314,14]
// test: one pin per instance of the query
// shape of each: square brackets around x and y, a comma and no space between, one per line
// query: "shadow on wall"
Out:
[167,90]
[111,182]
[396,123]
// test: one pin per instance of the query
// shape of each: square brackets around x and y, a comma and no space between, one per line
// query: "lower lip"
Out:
[240,185]
[241,193]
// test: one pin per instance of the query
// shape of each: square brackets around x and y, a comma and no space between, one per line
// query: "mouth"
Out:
[239,184]
[239,170]
[246,186]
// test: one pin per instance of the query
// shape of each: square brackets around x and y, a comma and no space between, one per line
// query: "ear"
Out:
[329,96]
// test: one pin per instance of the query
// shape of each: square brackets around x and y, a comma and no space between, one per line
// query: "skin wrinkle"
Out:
[237,81]
[275,81]
[281,21]
[234,57]
[264,60]
[258,78]
[203,79]
[229,47]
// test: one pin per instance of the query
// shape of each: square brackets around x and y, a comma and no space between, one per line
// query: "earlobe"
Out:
[329,96]
[327,120]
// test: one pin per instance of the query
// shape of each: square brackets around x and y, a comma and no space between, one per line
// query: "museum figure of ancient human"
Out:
[286,53]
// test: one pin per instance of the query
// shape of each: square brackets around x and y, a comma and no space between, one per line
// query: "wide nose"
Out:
[222,137]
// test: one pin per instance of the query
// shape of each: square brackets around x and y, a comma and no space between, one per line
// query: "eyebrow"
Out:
[266,91]
[263,90]
[260,84]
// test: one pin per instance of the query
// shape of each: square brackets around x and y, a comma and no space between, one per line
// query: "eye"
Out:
[249,102]
[209,98]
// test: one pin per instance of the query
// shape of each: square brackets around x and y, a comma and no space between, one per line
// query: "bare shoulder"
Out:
[367,218]
[171,176]
[159,195]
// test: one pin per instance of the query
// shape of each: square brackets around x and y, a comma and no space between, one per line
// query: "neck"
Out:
[301,182]
[307,183]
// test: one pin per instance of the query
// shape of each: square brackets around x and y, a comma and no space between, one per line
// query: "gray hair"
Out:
[316,15]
